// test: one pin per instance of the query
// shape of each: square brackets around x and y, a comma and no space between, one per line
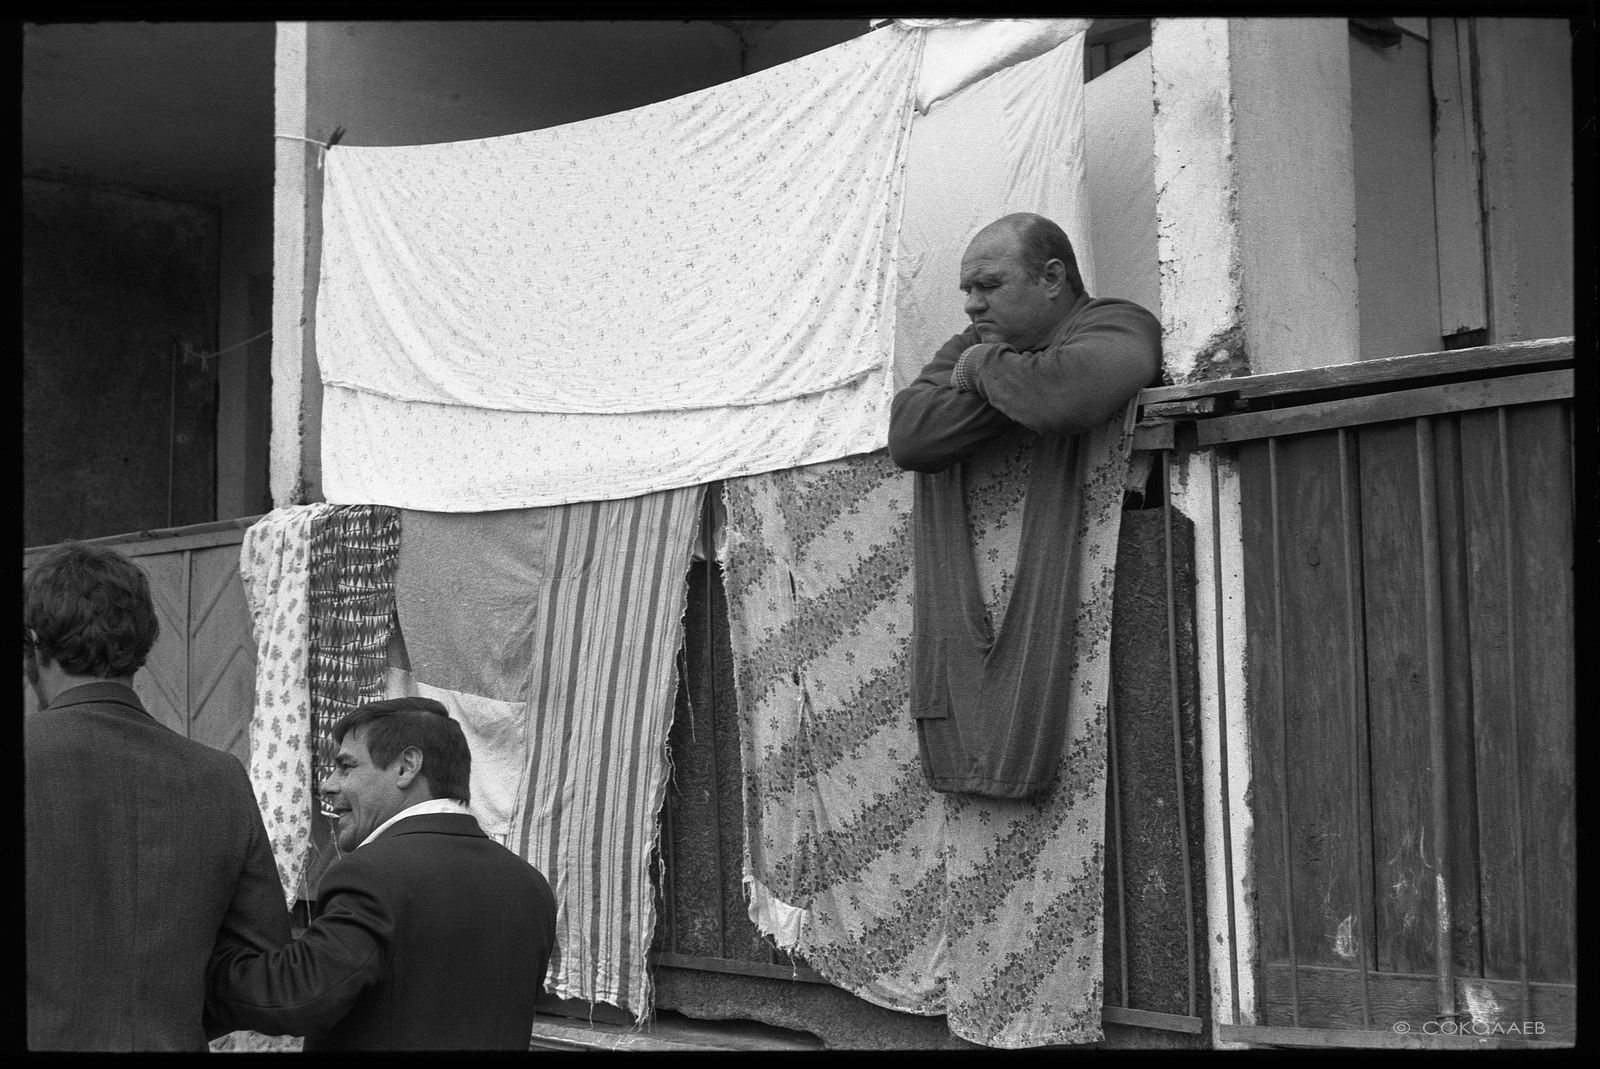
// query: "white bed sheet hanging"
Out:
[641,261]
[591,382]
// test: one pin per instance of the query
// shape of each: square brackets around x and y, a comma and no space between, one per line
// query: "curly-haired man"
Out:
[143,848]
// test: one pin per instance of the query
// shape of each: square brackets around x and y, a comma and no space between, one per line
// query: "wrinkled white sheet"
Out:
[1011,142]
[396,430]
[726,247]
[964,51]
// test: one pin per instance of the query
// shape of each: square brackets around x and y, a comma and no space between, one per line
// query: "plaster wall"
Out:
[1205,488]
[1290,79]
[1197,211]
[117,425]
[1118,111]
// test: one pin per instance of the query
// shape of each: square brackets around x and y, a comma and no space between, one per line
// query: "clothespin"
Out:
[333,139]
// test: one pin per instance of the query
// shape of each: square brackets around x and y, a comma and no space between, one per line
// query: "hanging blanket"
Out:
[986,910]
[721,261]
[275,565]
[319,581]
[528,320]
[551,635]
[353,552]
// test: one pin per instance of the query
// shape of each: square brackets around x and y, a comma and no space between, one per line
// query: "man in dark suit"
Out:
[141,847]
[426,933]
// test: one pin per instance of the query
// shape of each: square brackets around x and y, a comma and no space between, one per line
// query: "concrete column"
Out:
[1255,195]
[1255,224]
[296,387]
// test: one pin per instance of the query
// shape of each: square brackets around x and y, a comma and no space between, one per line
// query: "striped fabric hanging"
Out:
[353,552]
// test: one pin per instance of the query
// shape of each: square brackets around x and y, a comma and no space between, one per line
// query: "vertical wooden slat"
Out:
[1115,788]
[1397,699]
[1177,729]
[1222,731]
[1350,520]
[1283,736]
[1437,726]
[1460,756]
[1518,508]
[1508,522]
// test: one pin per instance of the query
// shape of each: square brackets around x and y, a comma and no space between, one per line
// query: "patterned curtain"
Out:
[988,911]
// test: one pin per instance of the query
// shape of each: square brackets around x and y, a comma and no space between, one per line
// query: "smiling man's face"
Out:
[1004,304]
[360,794]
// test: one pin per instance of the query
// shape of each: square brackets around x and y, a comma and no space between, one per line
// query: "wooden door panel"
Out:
[1466,657]
[222,653]
[1398,698]
[163,682]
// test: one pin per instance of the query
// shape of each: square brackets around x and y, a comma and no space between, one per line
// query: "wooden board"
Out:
[1477,506]
[1331,999]
[1519,525]
[222,658]
[1366,374]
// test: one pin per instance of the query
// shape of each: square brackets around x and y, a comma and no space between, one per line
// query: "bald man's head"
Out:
[1021,279]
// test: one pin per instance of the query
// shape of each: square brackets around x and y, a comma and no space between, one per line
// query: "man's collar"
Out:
[420,809]
[1072,312]
[105,690]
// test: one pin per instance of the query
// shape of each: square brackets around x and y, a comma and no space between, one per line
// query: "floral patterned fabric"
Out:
[275,566]
[446,458]
[419,409]
[988,911]
[484,272]
[479,354]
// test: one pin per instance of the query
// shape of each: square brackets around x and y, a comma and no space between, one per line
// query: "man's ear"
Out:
[410,767]
[1055,277]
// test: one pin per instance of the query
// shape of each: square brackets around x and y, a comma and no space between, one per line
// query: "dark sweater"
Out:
[989,702]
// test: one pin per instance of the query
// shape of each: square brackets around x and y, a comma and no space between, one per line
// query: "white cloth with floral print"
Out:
[697,289]
[719,254]
[275,566]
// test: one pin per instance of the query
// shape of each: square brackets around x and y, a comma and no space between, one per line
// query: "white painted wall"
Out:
[1197,231]
[1118,113]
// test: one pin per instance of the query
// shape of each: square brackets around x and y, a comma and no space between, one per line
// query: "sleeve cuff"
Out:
[962,376]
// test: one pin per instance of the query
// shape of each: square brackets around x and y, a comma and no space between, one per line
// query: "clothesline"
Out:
[333,139]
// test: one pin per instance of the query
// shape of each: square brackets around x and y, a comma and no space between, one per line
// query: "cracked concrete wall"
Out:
[1197,232]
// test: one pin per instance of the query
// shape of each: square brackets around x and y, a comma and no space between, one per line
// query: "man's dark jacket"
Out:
[141,850]
[432,936]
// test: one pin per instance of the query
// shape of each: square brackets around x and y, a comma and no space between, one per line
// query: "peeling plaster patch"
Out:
[1223,356]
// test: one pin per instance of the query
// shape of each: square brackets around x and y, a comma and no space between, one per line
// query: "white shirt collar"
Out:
[432,805]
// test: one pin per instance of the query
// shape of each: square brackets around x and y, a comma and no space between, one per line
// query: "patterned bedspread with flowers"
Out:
[985,910]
